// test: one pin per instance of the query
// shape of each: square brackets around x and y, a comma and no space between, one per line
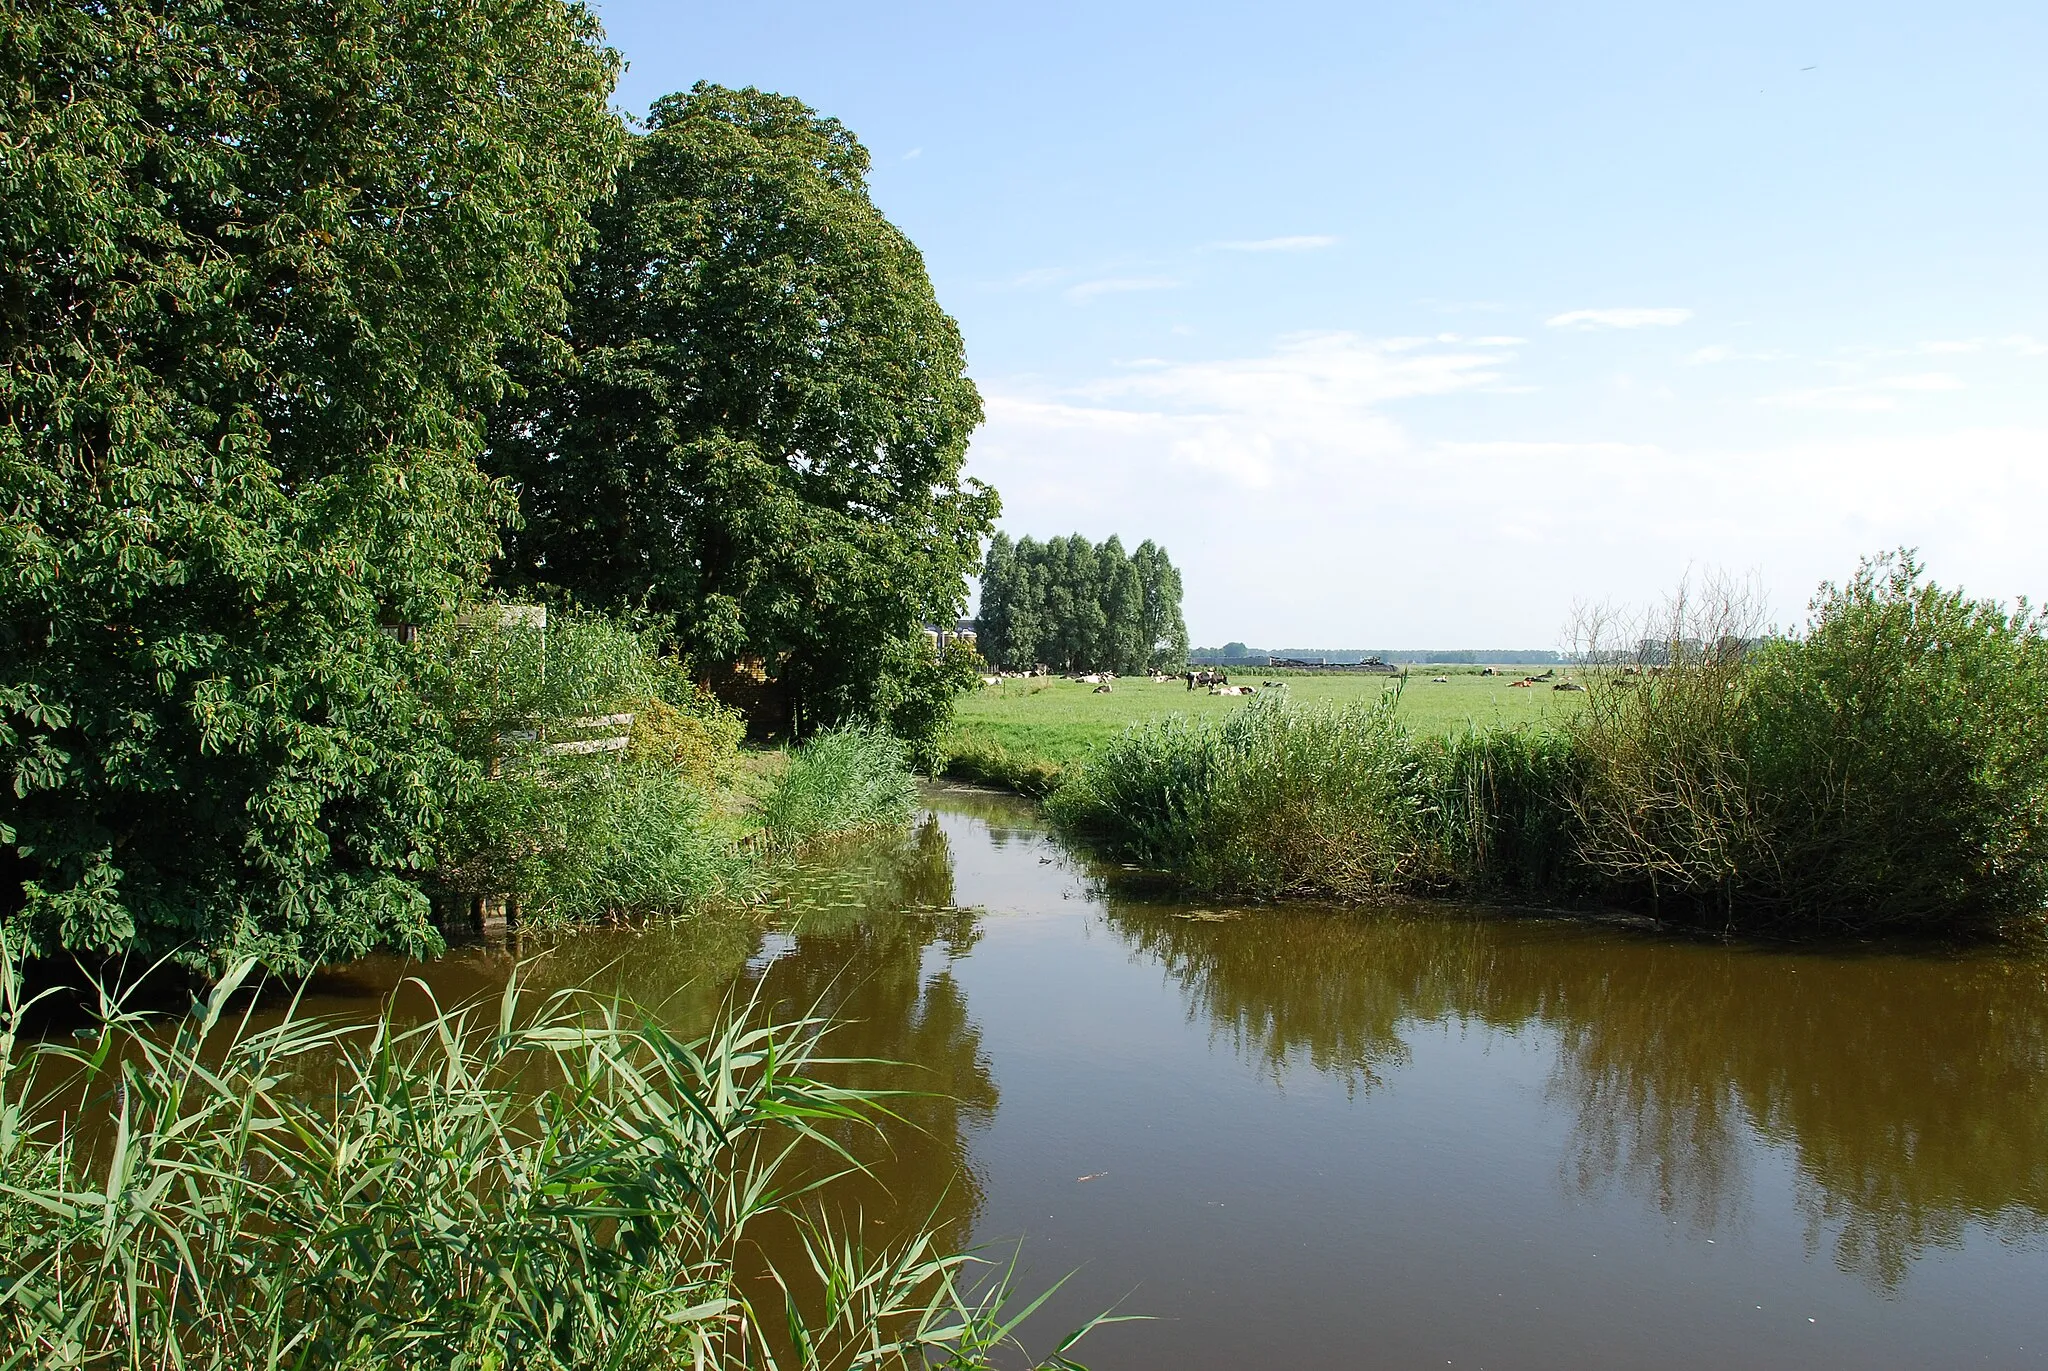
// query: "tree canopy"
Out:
[755,416]
[1069,604]
[257,262]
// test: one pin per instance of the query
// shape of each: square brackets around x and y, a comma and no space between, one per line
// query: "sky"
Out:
[1410,325]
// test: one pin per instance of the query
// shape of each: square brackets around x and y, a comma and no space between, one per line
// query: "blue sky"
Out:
[1423,325]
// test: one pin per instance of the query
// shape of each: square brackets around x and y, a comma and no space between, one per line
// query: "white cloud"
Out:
[1311,497]
[1117,285]
[1619,318]
[1253,422]
[1721,352]
[913,154]
[1300,242]
[1869,396]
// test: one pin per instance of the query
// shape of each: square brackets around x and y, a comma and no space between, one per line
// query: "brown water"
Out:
[1410,1138]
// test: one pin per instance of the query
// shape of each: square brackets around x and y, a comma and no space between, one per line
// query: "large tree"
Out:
[755,418]
[257,261]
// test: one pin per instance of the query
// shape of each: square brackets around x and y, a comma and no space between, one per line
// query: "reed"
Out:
[840,780]
[540,1183]
[1274,800]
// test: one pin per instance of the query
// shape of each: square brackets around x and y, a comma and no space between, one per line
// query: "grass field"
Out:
[1053,722]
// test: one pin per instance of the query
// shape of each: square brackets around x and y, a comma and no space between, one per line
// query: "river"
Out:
[1410,1137]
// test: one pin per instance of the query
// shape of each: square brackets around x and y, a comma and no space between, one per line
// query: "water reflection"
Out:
[1911,1093]
[862,932]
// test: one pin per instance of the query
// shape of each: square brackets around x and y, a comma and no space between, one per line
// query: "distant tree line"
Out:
[1482,656]
[1072,605]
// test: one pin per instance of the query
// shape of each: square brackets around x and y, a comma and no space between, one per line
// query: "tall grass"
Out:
[1499,818]
[536,1184]
[1271,801]
[840,780]
[575,835]
[580,839]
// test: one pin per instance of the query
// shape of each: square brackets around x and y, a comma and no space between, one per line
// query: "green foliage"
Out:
[584,838]
[258,261]
[1272,801]
[842,779]
[972,757]
[1071,605]
[577,835]
[1500,820]
[699,740]
[755,419]
[1882,769]
[915,695]
[549,1185]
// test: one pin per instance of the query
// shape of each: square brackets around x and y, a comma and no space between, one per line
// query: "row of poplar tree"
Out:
[322,321]
[1072,605]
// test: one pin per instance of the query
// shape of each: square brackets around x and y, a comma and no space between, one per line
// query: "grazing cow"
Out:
[1102,689]
[1567,685]
[1439,680]
[1520,685]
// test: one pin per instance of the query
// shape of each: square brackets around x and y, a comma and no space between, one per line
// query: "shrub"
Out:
[1272,800]
[577,836]
[1882,769]
[540,1185]
[841,780]
[915,695]
[1898,756]
[698,738]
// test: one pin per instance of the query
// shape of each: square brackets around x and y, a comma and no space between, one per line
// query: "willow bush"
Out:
[541,1183]
[1887,767]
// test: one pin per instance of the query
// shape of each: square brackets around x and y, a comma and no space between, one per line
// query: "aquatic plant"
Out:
[1273,800]
[539,1184]
[1883,768]
[840,780]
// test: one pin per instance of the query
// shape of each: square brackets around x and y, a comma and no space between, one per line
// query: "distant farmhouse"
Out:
[962,631]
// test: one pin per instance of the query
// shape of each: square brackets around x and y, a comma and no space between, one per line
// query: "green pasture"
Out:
[1056,721]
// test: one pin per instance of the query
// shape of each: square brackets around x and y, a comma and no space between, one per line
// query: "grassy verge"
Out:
[548,1184]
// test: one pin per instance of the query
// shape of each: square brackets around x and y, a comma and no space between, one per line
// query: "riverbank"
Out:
[1879,773]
